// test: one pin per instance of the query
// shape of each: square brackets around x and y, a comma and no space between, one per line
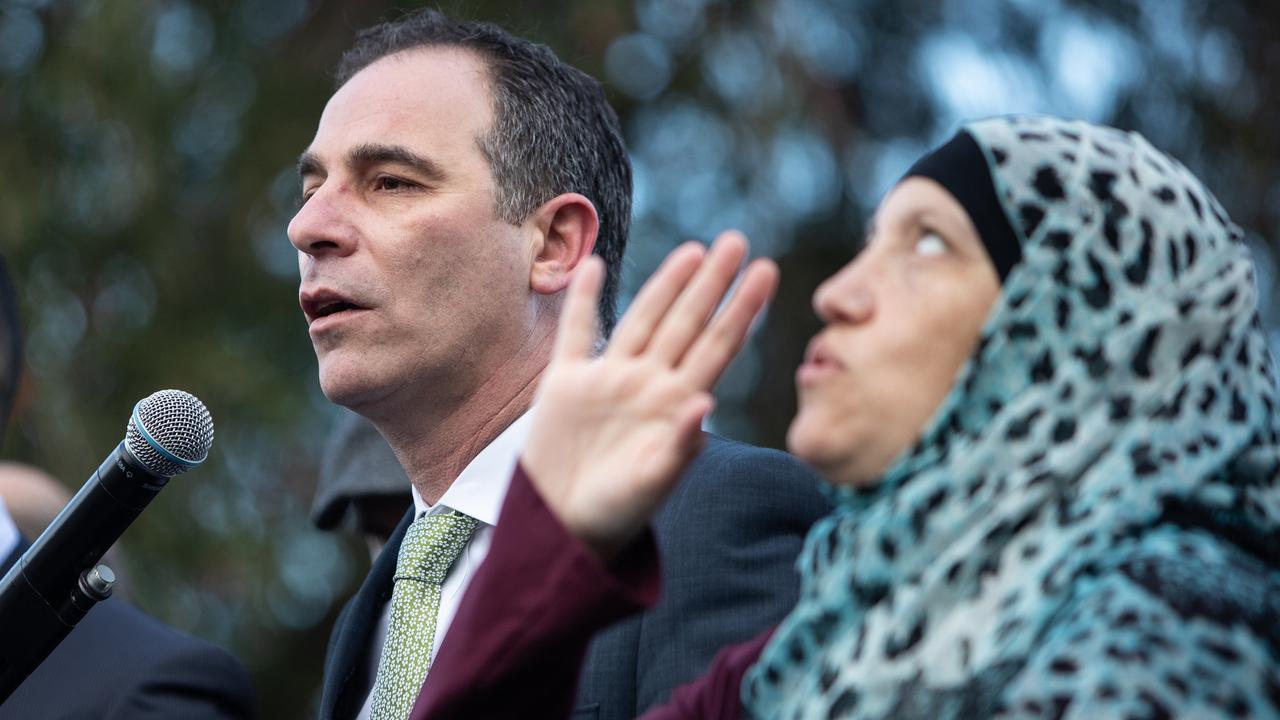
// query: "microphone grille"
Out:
[170,432]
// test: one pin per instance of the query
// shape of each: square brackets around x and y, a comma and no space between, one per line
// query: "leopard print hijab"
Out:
[1088,526]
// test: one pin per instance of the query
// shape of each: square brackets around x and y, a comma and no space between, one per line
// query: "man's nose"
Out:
[322,225]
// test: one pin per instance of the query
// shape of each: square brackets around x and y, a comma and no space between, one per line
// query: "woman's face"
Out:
[901,319]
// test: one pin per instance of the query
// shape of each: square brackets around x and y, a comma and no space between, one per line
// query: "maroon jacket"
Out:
[515,646]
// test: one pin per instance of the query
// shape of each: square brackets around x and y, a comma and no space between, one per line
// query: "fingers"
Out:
[687,317]
[688,425]
[654,300]
[725,335]
[669,318]
[576,335]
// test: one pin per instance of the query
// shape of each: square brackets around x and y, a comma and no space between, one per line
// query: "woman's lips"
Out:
[818,364]
[810,373]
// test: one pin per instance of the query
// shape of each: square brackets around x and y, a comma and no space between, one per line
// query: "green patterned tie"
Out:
[431,545]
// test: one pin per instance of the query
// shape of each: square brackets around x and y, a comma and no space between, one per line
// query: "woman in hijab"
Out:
[1046,406]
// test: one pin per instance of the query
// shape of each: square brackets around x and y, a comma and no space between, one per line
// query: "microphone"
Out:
[57,580]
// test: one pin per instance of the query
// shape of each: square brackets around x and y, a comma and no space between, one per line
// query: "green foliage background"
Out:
[146,178]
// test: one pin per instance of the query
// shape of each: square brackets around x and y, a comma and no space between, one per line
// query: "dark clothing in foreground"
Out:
[120,664]
[523,630]
[728,535]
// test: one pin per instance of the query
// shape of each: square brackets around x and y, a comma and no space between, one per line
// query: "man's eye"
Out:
[930,244]
[390,183]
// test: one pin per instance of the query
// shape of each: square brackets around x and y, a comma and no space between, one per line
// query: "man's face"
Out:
[411,286]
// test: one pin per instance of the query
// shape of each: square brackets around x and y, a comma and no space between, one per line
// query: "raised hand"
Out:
[612,433]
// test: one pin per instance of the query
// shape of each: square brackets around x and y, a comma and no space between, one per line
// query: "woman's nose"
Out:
[846,296]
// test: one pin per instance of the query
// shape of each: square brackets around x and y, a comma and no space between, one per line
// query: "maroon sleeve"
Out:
[524,624]
[516,644]
[716,695]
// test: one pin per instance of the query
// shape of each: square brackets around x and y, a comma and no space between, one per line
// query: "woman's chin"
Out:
[840,459]
[812,440]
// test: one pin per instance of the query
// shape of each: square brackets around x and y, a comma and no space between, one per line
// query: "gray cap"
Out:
[357,462]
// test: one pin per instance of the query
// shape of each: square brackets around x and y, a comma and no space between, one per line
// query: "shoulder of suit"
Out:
[733,489]
[722,454]
[115,623]
[747,471]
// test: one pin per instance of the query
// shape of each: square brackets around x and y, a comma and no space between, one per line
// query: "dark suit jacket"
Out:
[121,664]
[729,535]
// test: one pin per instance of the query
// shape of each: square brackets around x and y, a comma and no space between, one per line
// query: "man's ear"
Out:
[566,228]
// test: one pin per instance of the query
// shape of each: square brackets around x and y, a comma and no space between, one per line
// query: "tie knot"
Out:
[431,545]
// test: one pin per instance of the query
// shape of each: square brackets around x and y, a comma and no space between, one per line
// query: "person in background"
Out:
[457,179]
[1045,402]
[117,663]
[361,484]
[34,497]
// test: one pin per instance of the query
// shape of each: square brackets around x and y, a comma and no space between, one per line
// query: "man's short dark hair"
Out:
[553,131]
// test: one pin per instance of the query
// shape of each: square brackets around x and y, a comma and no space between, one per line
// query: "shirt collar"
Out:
[482,486]
[8,532]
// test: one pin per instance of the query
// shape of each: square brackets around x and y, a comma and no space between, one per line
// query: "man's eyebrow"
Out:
[309,164]
[374,154]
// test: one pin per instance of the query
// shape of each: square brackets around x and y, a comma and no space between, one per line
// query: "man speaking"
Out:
[457,178]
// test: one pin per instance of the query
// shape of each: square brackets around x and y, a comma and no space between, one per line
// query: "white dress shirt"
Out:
[9,531]
[479,492]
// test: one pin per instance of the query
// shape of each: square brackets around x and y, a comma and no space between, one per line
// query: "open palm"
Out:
[612,432]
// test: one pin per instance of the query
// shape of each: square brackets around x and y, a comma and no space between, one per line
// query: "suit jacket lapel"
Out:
[343,693]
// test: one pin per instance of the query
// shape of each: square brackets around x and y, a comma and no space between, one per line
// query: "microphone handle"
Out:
[45,594]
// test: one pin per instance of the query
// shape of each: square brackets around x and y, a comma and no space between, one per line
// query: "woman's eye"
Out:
[930,244]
